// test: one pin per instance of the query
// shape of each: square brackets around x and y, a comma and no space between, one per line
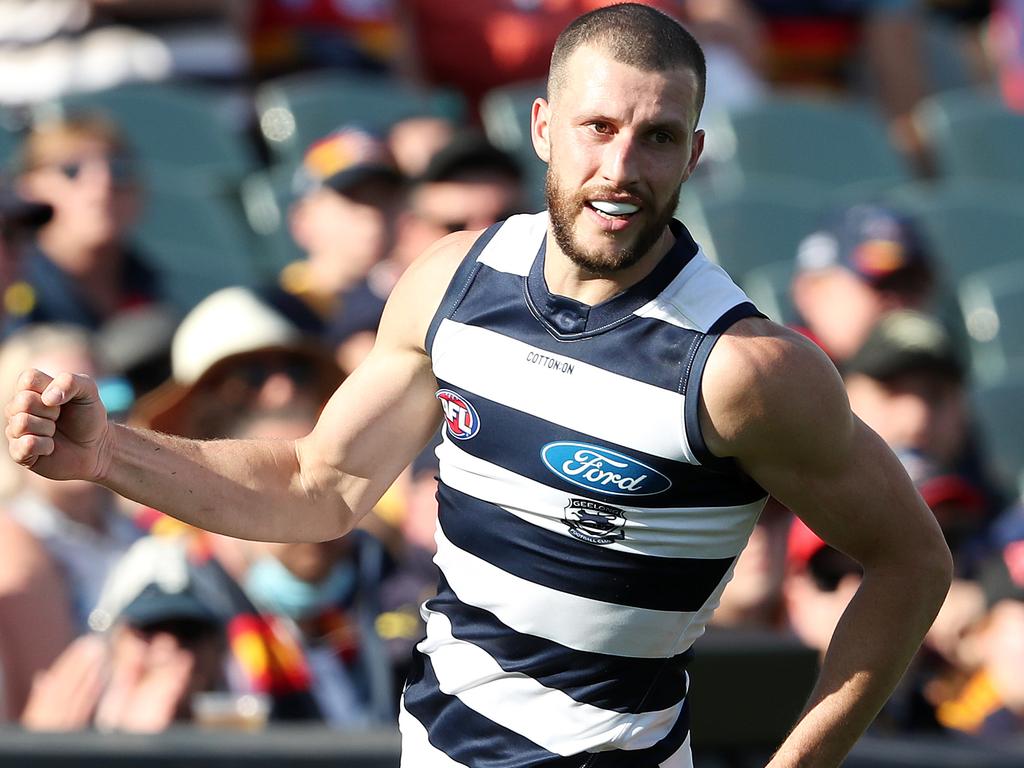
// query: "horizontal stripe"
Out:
[417,751]
[529,552]
[468,737]
[659,349]
[682,758]
[692,531]
[578,395]
[611,682]
[514,247]
[575,622]
[516,440]
[546,716]
[697,298]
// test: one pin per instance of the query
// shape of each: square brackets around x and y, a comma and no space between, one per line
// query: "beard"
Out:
[565,206]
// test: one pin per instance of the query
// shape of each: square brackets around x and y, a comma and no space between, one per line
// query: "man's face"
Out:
[438,208]
[619,142]
[91,188]
[916,410]
[345,234]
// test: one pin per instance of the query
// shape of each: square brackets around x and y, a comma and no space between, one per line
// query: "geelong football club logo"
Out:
[604,470]
[593,522]
[459,415]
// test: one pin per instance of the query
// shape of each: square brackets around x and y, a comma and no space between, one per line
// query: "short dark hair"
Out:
[633,34]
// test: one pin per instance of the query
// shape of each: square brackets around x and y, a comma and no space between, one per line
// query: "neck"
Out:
[566,278]
[96,268]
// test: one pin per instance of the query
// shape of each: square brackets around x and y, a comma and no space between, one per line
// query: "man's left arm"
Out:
[775,403]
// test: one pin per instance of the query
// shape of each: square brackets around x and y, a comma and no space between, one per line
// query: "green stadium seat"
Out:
[971,225]
[752,224]
[296,110]
[997,407]
[992,304]
[266,196]
[974,135]
[194,234]
[830,143]
[171,126]
[768,286]
[506,114]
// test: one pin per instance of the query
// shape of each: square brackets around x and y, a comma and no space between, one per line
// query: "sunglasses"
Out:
[121,168]
[451,225]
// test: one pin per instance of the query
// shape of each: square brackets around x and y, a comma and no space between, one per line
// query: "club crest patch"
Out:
[594,522]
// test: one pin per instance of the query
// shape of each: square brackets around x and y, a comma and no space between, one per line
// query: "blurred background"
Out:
[205,203]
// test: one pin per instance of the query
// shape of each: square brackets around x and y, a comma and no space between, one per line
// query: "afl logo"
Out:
[459,415]
[603,470]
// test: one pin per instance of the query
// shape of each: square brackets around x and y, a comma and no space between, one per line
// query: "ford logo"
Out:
[600,469]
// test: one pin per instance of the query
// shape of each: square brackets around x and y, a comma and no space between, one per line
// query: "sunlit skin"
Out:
[615,133]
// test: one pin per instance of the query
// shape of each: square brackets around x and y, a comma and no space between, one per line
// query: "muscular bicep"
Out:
[386,411]
[789,424]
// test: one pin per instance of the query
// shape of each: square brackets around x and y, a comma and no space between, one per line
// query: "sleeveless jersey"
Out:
[585,532]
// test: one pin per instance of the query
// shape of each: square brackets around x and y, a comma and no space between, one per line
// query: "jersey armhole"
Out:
[459,284]
[695,374]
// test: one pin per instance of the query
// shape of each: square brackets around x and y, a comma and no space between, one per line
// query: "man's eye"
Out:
[600,127]
[663,137]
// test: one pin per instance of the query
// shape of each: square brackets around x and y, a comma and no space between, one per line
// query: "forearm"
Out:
[876,638]
[250,489]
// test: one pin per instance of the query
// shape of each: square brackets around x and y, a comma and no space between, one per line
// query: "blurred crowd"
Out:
[117,617]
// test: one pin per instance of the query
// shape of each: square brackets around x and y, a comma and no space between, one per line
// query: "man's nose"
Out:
[620,163]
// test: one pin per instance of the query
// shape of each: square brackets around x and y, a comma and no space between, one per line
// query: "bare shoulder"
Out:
[764,384]
[419,292]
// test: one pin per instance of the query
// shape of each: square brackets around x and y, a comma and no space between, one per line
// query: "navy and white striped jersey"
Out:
[585,532]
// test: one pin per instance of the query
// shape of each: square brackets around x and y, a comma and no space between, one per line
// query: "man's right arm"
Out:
[314,488]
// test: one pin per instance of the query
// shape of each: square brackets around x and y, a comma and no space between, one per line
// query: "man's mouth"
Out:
[613,209]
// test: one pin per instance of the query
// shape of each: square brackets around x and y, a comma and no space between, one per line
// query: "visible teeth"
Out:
[614,209]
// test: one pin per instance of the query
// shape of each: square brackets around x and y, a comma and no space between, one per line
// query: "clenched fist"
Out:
[57,426]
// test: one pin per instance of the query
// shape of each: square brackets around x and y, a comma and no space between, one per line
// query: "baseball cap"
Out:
[344,158]
[806,551]
[156,582]
[877,243]
[906,341]
[18,213]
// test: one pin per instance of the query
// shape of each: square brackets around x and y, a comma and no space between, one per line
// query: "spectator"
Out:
[469,184]
[166,645]
[232,354]
[325,595]
[348,192]
[1006,33]
[990,703]
[865,260]
[78,523]
[821,45]
[49,48]
[30,637]
[19,219]
[754,598]
[907,382]
[80,269]
[414,140]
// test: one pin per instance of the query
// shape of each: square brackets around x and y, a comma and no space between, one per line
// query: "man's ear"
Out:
[540,126]
[696,150]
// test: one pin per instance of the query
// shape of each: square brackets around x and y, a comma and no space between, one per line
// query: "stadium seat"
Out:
[819,141]
[170,126]
[973,135]
[296,110]
[752,224]
[971,225]
[992,303]
[997,407]
[768,286]
[265,197]
[506,113]
[198,238]
[8,144]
